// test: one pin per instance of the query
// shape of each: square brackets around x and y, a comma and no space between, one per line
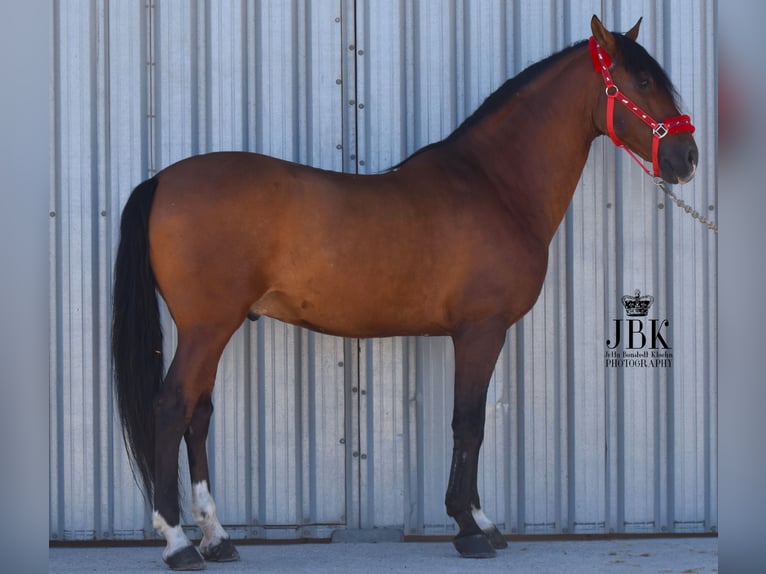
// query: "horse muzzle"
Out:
[678,159]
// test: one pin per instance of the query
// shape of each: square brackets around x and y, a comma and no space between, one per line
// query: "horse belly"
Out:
[354,311]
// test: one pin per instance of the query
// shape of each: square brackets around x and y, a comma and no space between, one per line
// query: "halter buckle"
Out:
[660,131]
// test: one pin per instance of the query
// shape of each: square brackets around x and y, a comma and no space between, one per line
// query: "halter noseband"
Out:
[674,125]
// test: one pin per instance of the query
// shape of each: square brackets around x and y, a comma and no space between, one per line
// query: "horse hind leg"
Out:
[170,423]
[476,352]
[190,377]
[216,545]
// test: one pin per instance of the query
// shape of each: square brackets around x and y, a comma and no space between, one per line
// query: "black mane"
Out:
[633,56]
[499,97]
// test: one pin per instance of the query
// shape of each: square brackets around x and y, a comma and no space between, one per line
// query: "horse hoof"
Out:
[497,540]
[474,546]
[224,551]
[188,558]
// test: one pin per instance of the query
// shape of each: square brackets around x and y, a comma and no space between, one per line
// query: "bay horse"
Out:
[453,241]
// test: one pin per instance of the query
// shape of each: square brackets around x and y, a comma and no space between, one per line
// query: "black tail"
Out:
[137,333]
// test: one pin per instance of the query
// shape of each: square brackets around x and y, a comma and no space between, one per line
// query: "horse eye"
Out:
[643,83]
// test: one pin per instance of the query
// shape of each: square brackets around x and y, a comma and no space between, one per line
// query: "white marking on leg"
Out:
[203,510]
[175,537]
[481,519]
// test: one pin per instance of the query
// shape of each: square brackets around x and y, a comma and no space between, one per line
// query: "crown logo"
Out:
[637,305]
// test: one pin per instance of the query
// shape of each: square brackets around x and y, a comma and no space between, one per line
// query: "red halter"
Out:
[674,125]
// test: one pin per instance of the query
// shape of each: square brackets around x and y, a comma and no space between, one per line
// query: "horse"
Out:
[453,242]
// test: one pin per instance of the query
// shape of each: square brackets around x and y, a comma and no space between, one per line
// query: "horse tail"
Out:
[137,334]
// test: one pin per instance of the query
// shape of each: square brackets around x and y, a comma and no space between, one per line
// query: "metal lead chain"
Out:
[687,208]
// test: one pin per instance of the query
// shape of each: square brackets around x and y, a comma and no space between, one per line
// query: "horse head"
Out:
[638,108]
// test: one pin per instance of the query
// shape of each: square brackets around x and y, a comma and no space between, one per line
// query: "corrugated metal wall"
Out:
[313,433]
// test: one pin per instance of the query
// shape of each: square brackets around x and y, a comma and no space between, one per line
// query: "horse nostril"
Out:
[693,156]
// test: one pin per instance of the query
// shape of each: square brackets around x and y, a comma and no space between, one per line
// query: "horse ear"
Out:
[633,32]
[603,36]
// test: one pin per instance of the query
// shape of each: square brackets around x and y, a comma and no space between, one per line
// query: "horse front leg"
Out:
[216,545]
[476,352]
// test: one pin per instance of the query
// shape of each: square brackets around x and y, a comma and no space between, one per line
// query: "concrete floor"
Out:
[655,555]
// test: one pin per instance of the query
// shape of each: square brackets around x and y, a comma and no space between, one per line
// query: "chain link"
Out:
[687,208]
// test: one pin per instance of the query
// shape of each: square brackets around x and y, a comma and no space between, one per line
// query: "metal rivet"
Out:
[52,214]
[609,206]
[364,457]
[103,213]
[710,207]
[340,363]
[361,52]
[339,81]
[363,391]
[354,389]
[661,206]
[352,157]
[351,102]
[339,146]
[361,106]
[361,162]
[351,47]
[355,454]
[337,19]
[343,441]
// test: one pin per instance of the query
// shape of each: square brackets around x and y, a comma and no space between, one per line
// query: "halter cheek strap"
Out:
[683,123]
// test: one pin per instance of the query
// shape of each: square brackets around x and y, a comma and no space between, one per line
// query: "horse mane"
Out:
[499,97]
[634,58]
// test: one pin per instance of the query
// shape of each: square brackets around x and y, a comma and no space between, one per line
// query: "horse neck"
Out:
[533,149]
